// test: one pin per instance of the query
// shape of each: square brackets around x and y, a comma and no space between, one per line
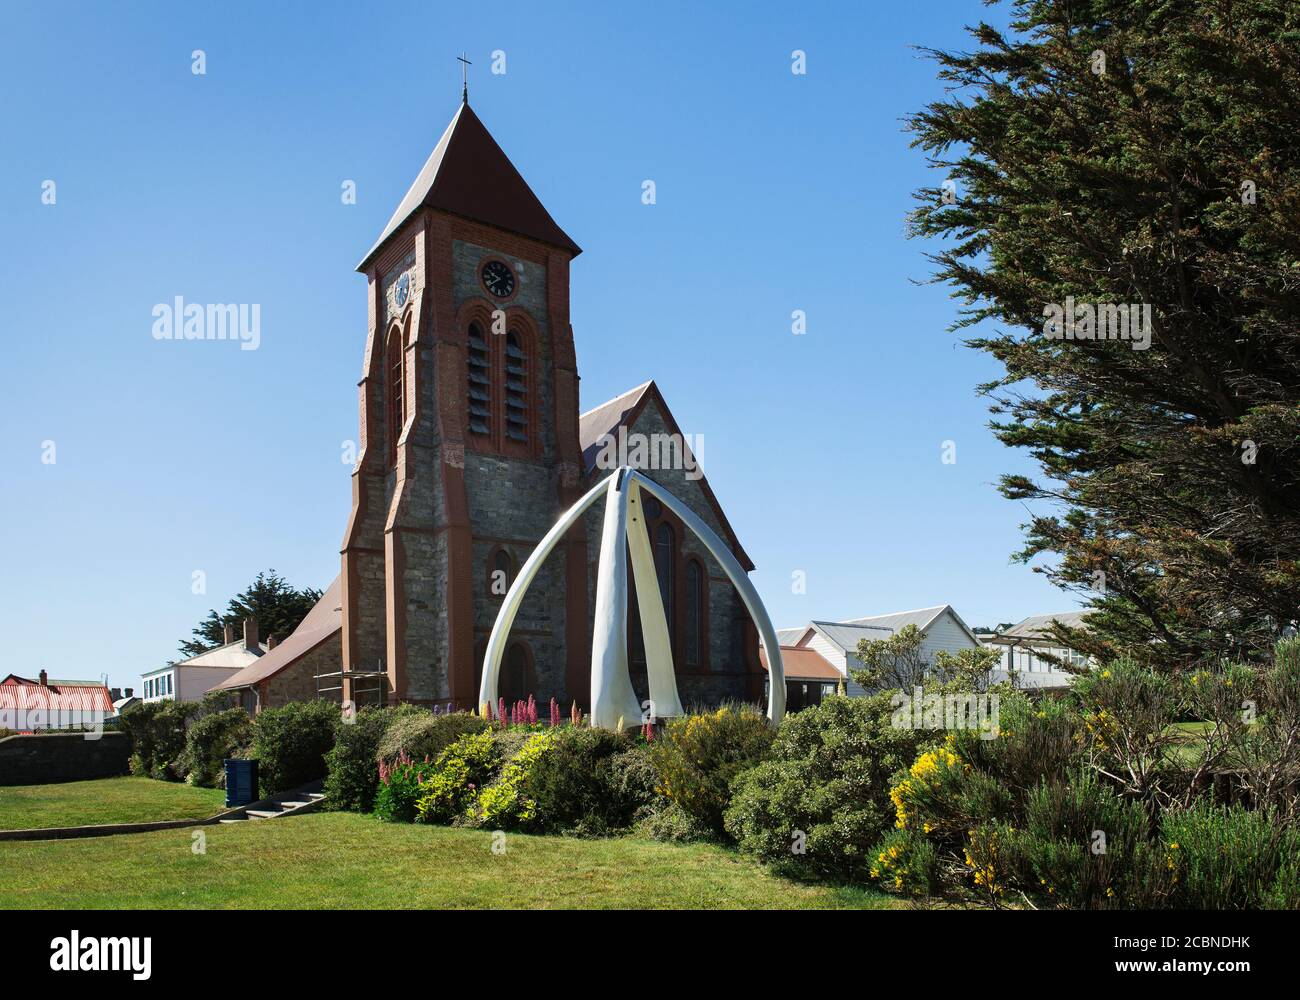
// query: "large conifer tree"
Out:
[1146,152]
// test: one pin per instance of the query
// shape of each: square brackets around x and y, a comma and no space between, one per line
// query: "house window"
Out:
[516,390]
[480,382]
[694,612]
[169,683]
[396,398]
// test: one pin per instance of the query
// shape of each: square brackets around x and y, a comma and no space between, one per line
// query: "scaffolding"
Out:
[361,696]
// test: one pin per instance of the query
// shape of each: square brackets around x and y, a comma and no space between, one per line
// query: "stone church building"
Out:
[471,445]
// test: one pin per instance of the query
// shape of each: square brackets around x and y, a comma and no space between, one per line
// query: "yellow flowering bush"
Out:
[924,778]
[698,756]
[904,863]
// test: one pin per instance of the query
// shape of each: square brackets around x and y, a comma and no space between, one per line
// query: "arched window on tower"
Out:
[480,382]
[395,366]
[516,390]
[695,611]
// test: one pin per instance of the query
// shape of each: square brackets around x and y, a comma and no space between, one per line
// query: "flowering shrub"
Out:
[400,790]
[448,788]
[699,755]
[352,768]
[504,804]
[905,862]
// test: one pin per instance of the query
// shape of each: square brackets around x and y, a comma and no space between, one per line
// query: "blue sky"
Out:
[775,192]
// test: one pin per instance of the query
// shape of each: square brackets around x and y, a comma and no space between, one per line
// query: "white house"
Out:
[940,626]
[1024,645]
[190,680]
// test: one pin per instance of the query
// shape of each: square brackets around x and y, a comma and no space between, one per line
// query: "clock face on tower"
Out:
[498,279]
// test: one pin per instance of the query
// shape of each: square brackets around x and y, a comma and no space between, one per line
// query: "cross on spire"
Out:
[464,77]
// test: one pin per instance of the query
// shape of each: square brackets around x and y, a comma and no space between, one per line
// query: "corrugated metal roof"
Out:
[790,636]
[1036,626]
[468,174]
[921,618]
[803,664]
[847,636]
[22,694]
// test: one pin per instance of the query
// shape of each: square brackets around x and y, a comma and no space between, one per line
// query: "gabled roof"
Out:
[606,419]
[231,656]
[1036,626]
[25,694]
[803,664]
[468,174]
[848,636]
[622,411]
[790,636]
[922,618]
[324,621]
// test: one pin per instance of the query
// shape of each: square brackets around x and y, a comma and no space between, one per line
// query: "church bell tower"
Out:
[468,445]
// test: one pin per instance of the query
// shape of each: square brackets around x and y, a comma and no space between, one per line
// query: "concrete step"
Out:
[239,819]
[287,804]
[264,813]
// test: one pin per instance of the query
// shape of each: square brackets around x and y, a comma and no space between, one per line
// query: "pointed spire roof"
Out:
[468,174]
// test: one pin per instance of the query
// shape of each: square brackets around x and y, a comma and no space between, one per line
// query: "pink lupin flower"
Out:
[555,713]
[532,710]
[501,712]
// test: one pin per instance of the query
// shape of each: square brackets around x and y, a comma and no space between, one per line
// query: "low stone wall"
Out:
[37,760]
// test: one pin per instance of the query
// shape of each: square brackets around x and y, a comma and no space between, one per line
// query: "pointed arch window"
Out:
[695,611]
[500,573]
[517,678]
[665,547]
[480,382]
[395,369]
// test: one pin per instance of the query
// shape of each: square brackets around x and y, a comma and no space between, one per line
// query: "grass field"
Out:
[108,800]
[343,860]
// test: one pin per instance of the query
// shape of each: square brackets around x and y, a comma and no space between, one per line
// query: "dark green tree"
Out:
[1144,152]
[277,607]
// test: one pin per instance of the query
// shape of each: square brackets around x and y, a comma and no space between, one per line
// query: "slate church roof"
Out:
[468,174]
[622,411]
[324,621]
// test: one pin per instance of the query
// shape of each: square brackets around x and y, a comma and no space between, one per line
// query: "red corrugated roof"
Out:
[22,694]
[803,664]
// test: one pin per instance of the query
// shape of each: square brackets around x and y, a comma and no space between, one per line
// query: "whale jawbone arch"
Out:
[612,696]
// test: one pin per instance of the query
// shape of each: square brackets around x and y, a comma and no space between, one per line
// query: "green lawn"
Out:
[108,800]
[343,860]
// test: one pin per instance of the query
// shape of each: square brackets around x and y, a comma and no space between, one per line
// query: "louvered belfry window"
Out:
[395,392]
[480,382]
[516,390]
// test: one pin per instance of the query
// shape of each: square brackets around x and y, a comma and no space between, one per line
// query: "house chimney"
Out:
[130,692]
[114,694]
[45,679]
[250,634]
[229,636]
[271,641]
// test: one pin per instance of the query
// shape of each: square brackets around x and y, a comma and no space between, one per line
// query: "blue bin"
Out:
[241,782]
